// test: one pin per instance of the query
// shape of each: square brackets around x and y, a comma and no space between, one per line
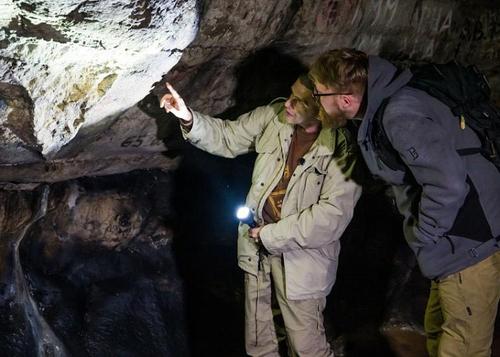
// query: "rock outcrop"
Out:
[413,30]
[88,269]
[87,263]
[67,64]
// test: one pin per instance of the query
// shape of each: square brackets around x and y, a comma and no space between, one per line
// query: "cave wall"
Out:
[118,237]
[88,269]
[405,30]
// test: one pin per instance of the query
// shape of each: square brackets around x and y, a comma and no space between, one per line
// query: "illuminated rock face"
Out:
[68,64]
[68,67]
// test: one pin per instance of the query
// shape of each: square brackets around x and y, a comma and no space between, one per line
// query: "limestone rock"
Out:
[78,63]
[132,142]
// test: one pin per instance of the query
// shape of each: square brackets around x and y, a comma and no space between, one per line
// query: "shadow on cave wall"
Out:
[208,190]
[99,266]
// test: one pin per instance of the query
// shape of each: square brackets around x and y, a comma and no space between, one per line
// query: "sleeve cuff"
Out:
[187,125]
[266,239]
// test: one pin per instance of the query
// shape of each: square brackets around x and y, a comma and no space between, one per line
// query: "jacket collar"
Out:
[325,143]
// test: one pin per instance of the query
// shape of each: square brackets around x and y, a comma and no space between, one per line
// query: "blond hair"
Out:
[344,69]
[310,104]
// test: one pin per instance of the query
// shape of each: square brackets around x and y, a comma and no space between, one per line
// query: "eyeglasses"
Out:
[317,95]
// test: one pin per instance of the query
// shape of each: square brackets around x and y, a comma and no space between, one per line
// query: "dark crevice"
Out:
[20,117]
[25,28]
[142,14]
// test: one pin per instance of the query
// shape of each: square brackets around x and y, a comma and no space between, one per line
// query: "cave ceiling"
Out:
[73,71]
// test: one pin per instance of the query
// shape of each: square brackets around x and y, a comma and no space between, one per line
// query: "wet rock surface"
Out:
[100,268]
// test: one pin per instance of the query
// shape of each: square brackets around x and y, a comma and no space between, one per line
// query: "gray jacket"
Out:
[450,203]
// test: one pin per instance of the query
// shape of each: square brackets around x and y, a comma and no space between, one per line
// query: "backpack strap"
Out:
[466,91]
[383,147]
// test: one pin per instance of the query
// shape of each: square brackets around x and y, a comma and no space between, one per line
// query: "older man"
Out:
[302,197]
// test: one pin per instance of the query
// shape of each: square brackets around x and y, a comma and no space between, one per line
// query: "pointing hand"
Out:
[173,103]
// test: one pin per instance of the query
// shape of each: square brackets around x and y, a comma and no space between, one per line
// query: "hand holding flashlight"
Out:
[254,233]
[245,216]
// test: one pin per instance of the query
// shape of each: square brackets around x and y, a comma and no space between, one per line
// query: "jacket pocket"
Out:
[311,183]
[266,161]
[478,228]
[247,251]
[266,144]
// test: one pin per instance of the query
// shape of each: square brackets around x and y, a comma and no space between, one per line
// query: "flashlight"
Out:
[245,216]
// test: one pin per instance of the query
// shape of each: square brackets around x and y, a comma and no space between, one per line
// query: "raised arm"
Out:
[228,138]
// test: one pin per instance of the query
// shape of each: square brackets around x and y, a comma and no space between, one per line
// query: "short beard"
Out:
[333,122]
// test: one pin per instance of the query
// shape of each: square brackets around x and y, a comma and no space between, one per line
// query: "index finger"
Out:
[173,91]
[164,99]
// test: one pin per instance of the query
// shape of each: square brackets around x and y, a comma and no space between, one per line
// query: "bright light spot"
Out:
[243,213]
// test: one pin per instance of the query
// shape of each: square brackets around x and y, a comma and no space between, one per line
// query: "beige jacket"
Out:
[318,204]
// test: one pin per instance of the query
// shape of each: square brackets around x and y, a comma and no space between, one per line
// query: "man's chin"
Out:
[333,122]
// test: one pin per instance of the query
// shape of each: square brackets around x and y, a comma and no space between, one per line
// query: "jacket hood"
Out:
[384,79]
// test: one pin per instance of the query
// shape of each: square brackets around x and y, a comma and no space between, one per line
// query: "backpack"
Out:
[466,92]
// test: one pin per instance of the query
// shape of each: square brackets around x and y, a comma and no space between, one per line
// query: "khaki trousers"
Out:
[303,318]
[461,311]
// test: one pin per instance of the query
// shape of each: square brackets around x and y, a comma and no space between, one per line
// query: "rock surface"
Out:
[133,142]
[70,64]
[87,265]
[69,68]
[96,273]
[409,30]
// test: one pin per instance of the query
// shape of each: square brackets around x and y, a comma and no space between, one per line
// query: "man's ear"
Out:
[345,101]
